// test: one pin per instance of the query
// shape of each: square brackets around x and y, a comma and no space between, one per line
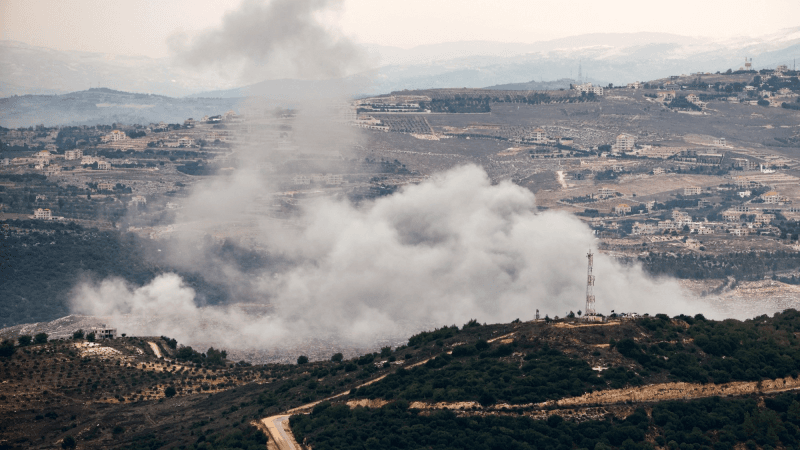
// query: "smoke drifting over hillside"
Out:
[276,39]
[452,248]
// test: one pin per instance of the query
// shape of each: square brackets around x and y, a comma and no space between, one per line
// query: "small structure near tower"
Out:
[590,314]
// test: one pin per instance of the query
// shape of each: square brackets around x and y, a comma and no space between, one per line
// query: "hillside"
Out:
[515,385]
[104,106]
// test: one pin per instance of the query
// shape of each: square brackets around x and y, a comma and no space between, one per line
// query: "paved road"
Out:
[279,436]
[279,425]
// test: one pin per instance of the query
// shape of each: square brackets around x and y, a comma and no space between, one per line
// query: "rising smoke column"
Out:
[275,39]
[453,248]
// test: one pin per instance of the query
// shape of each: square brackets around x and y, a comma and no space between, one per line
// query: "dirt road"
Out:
[155,348]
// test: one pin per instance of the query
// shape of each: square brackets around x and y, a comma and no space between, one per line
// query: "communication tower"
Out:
[537,315]
[590,311]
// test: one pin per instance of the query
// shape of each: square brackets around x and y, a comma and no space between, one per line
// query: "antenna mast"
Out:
[590,287]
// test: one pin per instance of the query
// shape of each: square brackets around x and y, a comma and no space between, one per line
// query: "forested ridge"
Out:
[530,369]
[706,424]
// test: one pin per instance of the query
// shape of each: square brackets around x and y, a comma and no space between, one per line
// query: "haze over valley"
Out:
[267,225]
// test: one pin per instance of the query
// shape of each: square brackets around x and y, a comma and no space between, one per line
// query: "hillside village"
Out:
[635,162]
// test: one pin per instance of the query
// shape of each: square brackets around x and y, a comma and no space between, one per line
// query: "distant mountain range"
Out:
[106,106]
[600,58]
[617,58]
[26,69]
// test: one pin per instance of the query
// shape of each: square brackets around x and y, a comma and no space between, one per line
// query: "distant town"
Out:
[669,172]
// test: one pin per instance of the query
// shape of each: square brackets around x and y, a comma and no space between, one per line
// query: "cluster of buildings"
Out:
[318,178]
[587,88]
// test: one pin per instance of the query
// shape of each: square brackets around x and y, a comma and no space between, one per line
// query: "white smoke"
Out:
[453,248]
[274,39]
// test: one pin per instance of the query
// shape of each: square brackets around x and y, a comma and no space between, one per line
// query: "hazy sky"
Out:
[143,26]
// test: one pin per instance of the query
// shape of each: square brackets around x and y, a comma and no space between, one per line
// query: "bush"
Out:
[7,348]
[337,357]
[171,343]
[77,335]
[40,338]
[169,392]
[24,340]
[302,359]
[68,442]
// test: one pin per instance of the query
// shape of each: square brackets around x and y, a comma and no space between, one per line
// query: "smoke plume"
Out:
[276,39]
[447,250]
[452,248]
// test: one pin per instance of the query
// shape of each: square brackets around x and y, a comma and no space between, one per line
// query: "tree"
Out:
[40,338]
[7,348]
[215,357]
[337,357]
[169,392]
[77,335]
[24,340]
[68,442]
[302,359]
[90,337]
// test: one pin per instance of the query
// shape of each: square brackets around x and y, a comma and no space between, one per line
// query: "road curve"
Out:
[276,431]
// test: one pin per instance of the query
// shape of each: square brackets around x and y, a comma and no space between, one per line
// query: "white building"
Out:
[103,332]
[52,170]
[625,143]
[771,197]
[73,154]
[605,192]
[588,88]
[658,171]
[666,96]
[186,141]
[731,216]
[692,190]
[538,135]
[43,157]
[103,165]
[622,209]
[644,228]
[334,179]
[114,136]
[666,225]
[43,214]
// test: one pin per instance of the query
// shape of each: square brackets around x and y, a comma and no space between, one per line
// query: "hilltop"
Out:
[104,106]
[568,382]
